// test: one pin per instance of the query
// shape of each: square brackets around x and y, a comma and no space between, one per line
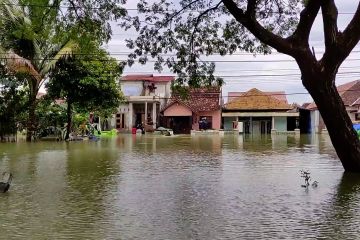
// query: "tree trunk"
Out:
[69,122]
[338,123]
[31,122]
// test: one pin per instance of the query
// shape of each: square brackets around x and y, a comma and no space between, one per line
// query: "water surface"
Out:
[179,187]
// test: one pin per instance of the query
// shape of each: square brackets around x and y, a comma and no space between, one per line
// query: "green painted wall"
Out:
[228,122]
[281,123]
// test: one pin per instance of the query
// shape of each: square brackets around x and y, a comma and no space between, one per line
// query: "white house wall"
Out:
[314,121]
[134,90]
[131,88]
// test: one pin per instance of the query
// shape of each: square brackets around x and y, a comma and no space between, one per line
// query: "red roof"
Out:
[356,103]
[200,100]
[311,106]
[148,77]
[349,93]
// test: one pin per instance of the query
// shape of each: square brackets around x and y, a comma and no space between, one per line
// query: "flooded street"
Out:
[178,187]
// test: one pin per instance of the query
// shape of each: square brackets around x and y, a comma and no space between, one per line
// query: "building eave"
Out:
[260,114]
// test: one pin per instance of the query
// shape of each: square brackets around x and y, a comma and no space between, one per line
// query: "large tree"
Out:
[88,83]
[35,34]
[192,28]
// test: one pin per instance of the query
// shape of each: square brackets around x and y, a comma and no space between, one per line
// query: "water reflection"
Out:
[342,218]
[179,187]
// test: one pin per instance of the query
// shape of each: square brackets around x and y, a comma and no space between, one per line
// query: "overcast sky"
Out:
[285,76]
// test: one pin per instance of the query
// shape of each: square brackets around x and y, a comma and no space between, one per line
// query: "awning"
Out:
[260,114]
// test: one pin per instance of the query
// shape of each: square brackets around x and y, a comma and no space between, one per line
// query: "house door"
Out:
[181,125]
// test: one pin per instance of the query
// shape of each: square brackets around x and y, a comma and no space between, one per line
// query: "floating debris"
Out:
[5,184]
[306,175]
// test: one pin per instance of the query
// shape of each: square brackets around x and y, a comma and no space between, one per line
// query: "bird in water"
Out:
[5,185]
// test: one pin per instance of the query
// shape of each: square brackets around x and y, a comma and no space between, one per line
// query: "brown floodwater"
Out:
[178,187]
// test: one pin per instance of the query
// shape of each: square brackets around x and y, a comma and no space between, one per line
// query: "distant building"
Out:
[200,110]
[350,94]
[145,96]
[258,112]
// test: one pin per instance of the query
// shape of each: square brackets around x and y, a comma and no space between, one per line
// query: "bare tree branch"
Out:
[307,18]
[198,20]
[280,44]
[330,15]
[251,8]
[75,10]
[178,13]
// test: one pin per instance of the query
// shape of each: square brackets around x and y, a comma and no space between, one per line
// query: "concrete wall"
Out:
[314,121]
[124,109]
[317,123]
[135,88]
[280,123]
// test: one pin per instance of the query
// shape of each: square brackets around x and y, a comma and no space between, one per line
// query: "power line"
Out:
[128,9]
[55,6]
[242,70]
[237,77]
[174,54]
[176,61]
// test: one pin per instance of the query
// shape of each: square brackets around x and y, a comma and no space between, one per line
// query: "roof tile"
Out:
[199,100]
[349,93]
[254,99]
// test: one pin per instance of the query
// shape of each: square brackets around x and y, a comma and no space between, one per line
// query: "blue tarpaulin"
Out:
[356,126]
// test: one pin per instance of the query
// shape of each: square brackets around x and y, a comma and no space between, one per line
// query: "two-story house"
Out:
[145,96]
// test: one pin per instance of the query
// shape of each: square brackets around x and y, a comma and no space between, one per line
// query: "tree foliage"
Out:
[35,34]
[181,35]
[50,114]
[13,105]
[89,85]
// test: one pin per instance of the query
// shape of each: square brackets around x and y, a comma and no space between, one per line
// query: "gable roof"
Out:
[349,93]
[280,95]
[356,103]
[199,100]
[254,99]
[305,105]
[147,77]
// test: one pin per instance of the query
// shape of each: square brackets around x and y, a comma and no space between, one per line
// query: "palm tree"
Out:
[31,42]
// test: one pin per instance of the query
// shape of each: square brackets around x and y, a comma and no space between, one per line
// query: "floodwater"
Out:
[178,187]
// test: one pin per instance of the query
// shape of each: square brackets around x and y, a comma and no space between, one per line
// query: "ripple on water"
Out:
[154,187]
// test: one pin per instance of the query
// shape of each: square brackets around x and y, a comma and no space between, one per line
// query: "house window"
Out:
[205,122]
